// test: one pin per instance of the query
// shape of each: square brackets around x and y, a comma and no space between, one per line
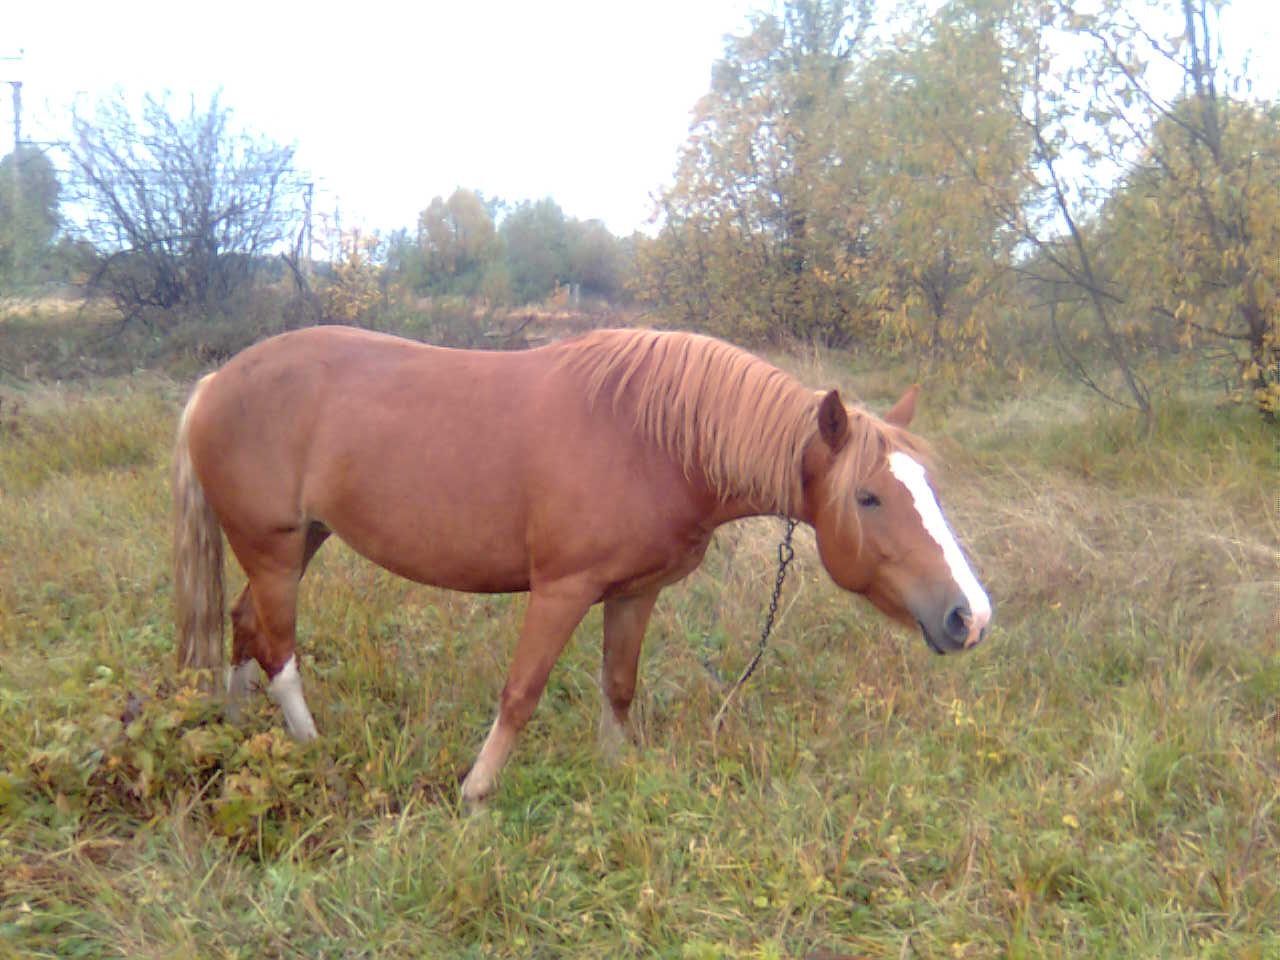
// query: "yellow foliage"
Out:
[827,200]
[1195,235]
[353,291]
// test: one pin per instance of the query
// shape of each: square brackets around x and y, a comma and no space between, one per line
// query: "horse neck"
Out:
[739,508]
[742,506]
[817,461]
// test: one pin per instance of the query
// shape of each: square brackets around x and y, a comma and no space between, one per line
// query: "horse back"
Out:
[473,470]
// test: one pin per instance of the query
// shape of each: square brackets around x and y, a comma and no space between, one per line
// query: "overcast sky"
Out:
[391,104]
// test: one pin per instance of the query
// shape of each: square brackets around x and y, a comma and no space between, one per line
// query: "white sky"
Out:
[391,104]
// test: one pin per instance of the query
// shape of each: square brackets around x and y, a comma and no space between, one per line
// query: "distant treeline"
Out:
[503,253]
[987,174]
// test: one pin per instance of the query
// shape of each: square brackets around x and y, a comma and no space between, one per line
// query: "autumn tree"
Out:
[756,231]
[1053,98]
[29,195]
[827,189]
[928,121]
[458,242]
[1195,227]
[1147,214]
[352,292]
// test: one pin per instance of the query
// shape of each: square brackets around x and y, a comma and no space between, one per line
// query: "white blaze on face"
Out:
[911,474]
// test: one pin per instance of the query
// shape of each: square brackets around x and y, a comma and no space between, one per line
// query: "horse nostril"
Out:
[956,623]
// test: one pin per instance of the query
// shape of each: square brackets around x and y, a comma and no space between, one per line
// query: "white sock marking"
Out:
[911,474]
[491,760]
[286,690]
[612,733]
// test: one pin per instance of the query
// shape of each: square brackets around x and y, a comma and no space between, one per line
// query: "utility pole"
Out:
[17,112]
[17,100]
[311,187]
[17,158]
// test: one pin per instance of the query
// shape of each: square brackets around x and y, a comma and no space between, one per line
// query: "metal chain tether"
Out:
[786,553]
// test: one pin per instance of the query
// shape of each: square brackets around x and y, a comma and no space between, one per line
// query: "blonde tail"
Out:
[197,561]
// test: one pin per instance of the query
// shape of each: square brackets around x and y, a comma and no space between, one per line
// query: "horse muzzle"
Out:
[959,629]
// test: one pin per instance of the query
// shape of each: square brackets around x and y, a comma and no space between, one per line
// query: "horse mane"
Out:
[722,413]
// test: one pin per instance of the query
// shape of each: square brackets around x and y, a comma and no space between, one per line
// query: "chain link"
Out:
[786,553]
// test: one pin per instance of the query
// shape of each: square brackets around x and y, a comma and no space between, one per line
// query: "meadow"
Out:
[1100,778]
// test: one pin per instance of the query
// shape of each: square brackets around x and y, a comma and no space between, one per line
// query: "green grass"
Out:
[1100,779]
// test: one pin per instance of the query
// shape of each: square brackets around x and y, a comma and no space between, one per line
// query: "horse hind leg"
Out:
[264,634]
[242,676]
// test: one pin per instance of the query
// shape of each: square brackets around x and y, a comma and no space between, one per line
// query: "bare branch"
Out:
[180,207]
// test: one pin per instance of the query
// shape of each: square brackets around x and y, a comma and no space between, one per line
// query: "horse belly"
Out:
[434,533]
[451,565]
[671,569]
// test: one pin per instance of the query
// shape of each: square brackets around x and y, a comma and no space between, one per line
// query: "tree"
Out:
[458,242]
[29,194]
[1149,210]
[536,237]
[596,259]
[1058,97]
[352,293]
[1195,225]
[181,206]
[756,233]
[927,119]
[827,187]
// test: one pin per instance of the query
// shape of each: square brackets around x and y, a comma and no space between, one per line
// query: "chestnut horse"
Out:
[592,470]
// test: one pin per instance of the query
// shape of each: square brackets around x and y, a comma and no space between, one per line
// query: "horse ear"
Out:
[901,413]
[833,421]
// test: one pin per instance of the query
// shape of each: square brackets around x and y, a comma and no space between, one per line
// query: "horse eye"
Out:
[867,499]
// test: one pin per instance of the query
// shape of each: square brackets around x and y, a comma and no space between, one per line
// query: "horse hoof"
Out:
[616,748]
[473,794]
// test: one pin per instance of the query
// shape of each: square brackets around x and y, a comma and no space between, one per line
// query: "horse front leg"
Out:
[554,611]
[625,621]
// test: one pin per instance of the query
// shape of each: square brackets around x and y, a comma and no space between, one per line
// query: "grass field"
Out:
[1101,778]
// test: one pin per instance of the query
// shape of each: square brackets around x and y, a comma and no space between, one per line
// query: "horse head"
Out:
[879,529]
